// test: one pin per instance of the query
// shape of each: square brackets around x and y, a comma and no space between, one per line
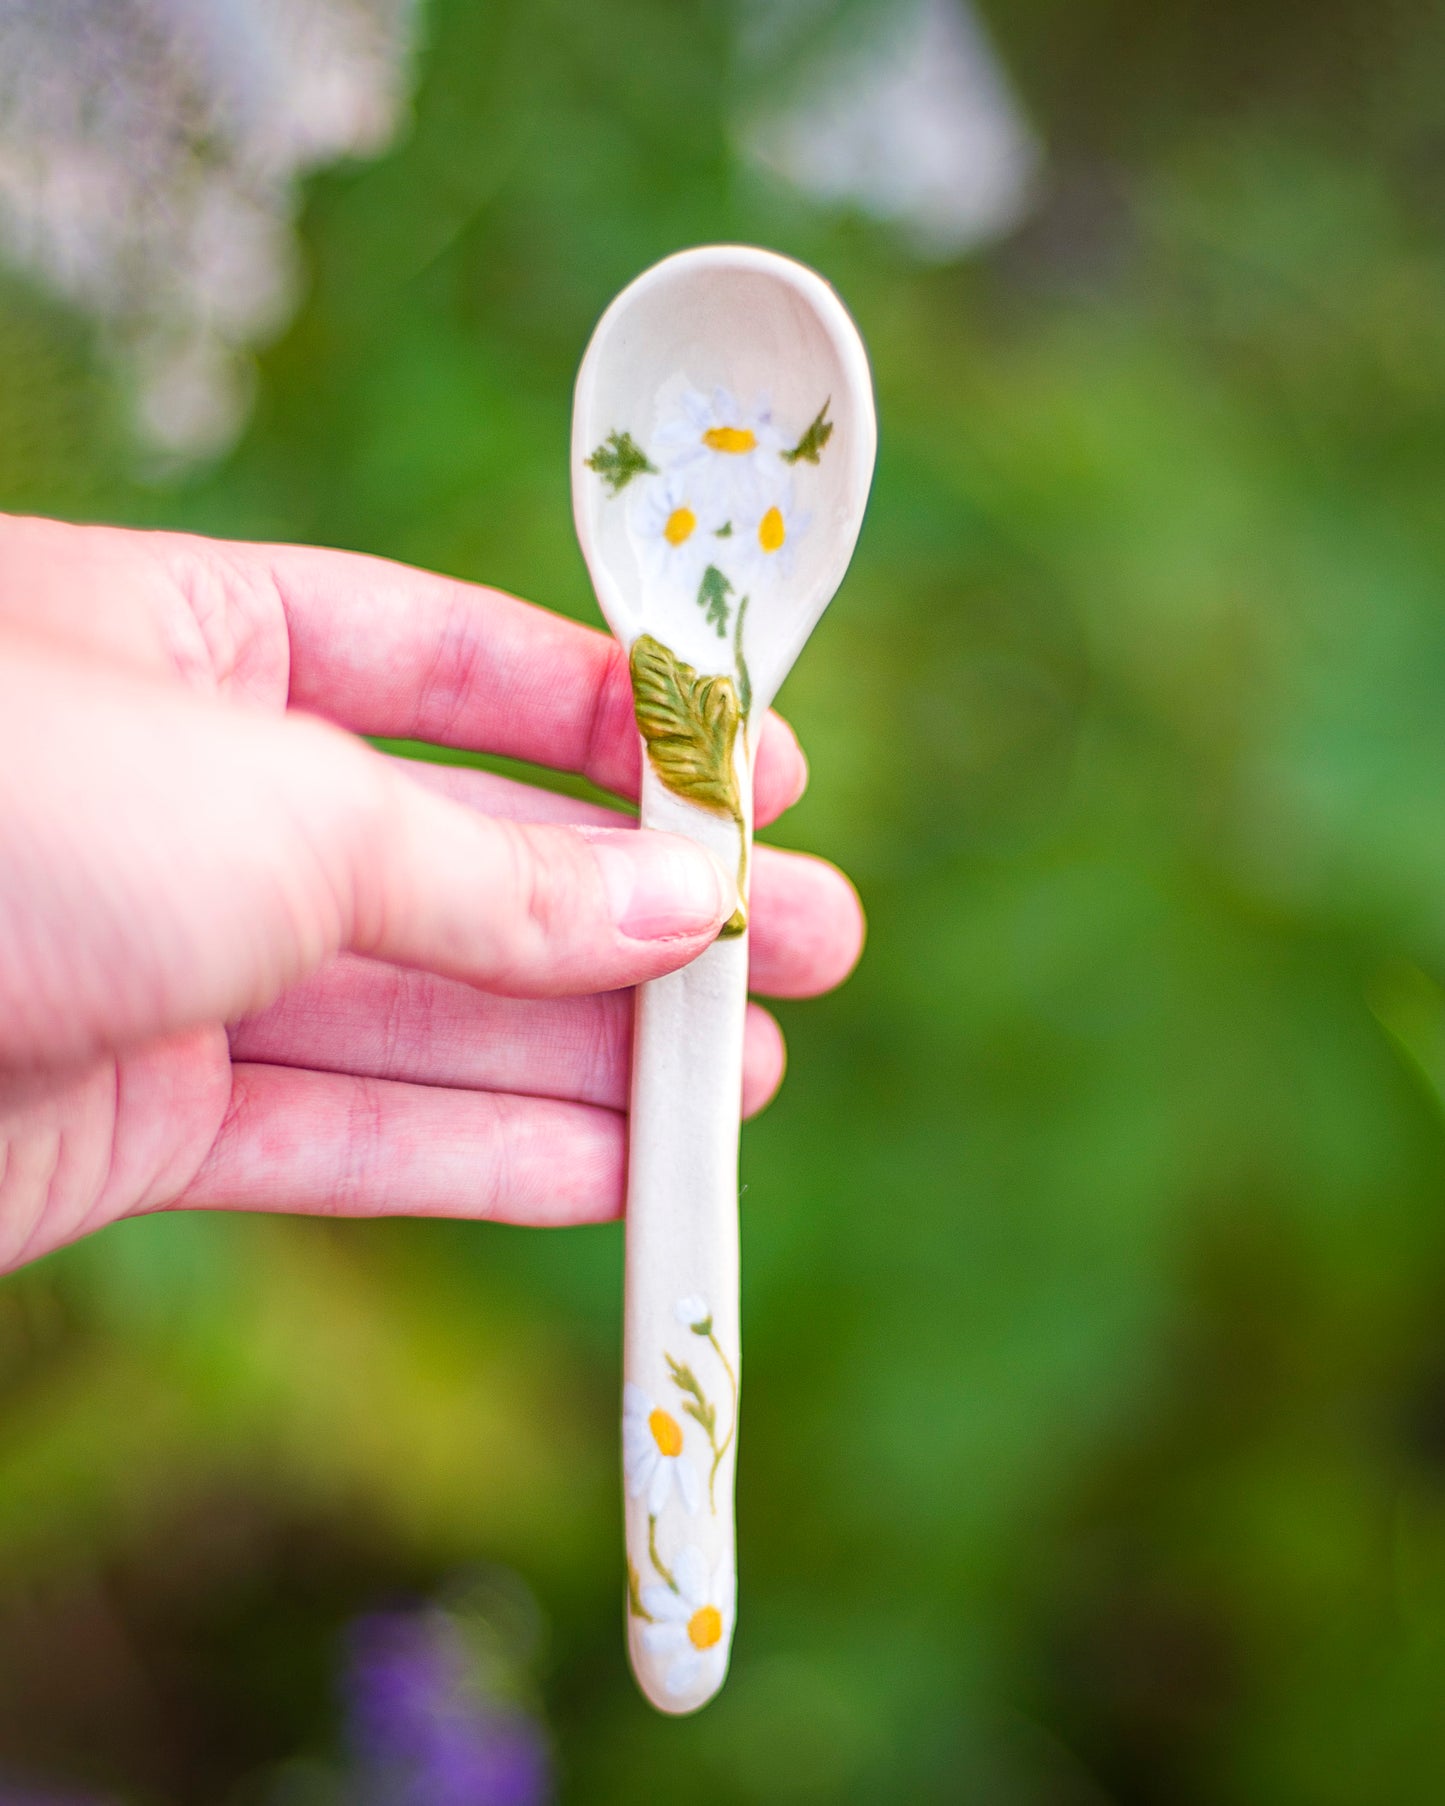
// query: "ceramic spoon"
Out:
[722,447]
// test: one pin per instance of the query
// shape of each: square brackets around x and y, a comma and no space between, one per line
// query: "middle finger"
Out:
[373,1020]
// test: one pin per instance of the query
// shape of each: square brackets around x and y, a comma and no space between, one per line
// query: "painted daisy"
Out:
[689,1625]
[652,1453]
[676,519]
[722,442]
[693,1314]
[768,535]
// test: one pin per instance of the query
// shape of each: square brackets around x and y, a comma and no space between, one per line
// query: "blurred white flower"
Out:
[150,155]
[904,113]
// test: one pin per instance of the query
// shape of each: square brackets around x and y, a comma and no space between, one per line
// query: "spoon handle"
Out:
[680,1351]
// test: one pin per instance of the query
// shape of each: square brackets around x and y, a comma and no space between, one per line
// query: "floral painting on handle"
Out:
[683,1608]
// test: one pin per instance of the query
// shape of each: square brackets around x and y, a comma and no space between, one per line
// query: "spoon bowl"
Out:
[736,344]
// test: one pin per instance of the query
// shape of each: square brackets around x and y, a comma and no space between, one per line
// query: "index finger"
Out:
[385,649]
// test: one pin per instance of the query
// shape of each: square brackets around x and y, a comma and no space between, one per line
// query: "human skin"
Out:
[249,962]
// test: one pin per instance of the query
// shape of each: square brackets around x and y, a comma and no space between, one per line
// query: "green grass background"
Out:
[1094,1443]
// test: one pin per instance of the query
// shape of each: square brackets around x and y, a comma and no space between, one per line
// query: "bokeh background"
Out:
[1094,1443]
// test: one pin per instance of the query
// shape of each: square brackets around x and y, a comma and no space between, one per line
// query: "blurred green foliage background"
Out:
[1094,1443]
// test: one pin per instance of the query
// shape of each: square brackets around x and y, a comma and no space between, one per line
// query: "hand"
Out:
[248,962]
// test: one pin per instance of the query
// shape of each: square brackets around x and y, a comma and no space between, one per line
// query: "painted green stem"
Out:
[719,1450]
[657,1560]
[745,683]
[737,922]
[634,1596]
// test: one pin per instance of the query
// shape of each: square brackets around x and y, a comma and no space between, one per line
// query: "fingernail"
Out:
[660,885]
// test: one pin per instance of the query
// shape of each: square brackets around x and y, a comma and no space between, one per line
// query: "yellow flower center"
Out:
[730,438]
[704,1627]
[771,531]
[666,1432]
[680,524]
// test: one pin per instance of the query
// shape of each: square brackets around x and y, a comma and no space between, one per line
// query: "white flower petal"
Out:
[724,1592]
[659,1486]
[690,1573]
[683,1674]
[687,1485]
[663,1604]
[665,1639]
[635,1402]
[693,489]
[692,1309]
[642,1473]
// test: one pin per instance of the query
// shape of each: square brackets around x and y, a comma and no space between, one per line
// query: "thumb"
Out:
[531,910]
[173,860]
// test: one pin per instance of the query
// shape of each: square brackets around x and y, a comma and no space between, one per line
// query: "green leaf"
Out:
[706,1416]
[690,724]
[813,441]
[683,1376]
[698,1409]
[712,596]
[619,461]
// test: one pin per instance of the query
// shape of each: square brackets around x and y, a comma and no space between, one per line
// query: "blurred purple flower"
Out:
[423,1728]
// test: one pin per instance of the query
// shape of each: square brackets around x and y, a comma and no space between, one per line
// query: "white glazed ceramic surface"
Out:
[722,448]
